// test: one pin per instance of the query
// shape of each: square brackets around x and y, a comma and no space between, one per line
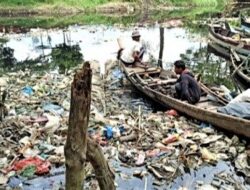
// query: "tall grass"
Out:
[73,3]
[92,3]
[205,2]
[197,2]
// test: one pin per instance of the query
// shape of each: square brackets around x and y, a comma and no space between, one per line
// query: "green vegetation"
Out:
[93,3]
[3,40]
[65,56]
[7,59]
[200,8]
[196,2]
[211,70]
[56,21]
[60,3]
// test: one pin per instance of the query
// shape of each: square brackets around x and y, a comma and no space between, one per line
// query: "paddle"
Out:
[237,58]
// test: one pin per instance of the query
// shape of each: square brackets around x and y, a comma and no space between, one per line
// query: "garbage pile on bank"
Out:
[167,144]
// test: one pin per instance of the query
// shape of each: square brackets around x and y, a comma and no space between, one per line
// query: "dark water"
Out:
[126,181]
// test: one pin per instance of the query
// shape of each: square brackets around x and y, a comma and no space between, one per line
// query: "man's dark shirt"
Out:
[188,88]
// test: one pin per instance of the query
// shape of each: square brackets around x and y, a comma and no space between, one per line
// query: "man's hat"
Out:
[135,33]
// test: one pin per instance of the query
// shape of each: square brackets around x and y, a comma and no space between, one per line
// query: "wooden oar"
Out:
[237,68]
[161,82]
[235,55]
[219,98]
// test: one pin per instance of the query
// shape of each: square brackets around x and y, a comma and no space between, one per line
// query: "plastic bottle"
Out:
[226,92]
[170,139]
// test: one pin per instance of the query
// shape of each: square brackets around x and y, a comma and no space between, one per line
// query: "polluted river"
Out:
[37,69]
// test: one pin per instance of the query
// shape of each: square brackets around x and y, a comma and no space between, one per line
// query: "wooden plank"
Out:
[219,98]
[163,82]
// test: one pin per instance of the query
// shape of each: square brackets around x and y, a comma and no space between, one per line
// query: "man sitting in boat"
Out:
[187,88]
[133,54]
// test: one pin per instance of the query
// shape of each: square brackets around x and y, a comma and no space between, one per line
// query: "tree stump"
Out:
[76,143]
[78,147]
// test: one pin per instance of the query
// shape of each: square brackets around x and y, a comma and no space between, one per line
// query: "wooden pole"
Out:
[161,47]
[3,108]
[78,147]
[103,173]
[76,143]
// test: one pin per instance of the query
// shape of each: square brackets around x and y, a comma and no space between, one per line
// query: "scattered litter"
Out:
[172,112]
[41,166]
[55,109]
[159,144]
[27,91]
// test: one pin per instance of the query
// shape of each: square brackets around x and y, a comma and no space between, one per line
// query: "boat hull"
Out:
[229,123]
[238,46]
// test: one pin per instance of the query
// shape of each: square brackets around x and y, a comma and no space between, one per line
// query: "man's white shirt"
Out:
[127,53]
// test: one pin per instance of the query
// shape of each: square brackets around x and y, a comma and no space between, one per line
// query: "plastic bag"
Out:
[42,166]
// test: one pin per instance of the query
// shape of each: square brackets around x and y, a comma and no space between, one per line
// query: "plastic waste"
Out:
[27,91]
[3,162]
[116,132]
[117,73]
[227,92]
[40,119]
[29,171]
[170,139]
[243,97]
[212,98]
[55,109]
[153,153]
[97,138]
[3,81]
[205,125]
[3,180]
[140,159]
[12,112]
[122,129]
[207,155]
[172,112]
[41,166]
[15,182]
[108,132]
[53,123]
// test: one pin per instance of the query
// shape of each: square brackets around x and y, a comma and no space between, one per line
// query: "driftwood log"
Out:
[78,148]
[103,173]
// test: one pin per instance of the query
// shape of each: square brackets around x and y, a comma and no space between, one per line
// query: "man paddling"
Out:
[186,87]
[133,54]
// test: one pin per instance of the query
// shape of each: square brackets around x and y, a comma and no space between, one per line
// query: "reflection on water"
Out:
[7,59]
[65,56]
[100,42]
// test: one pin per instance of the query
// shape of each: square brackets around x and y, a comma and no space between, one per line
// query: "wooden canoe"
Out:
[226,54]
[152,85]
[244,23]
[224,38]
[240,69]
[218,50]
